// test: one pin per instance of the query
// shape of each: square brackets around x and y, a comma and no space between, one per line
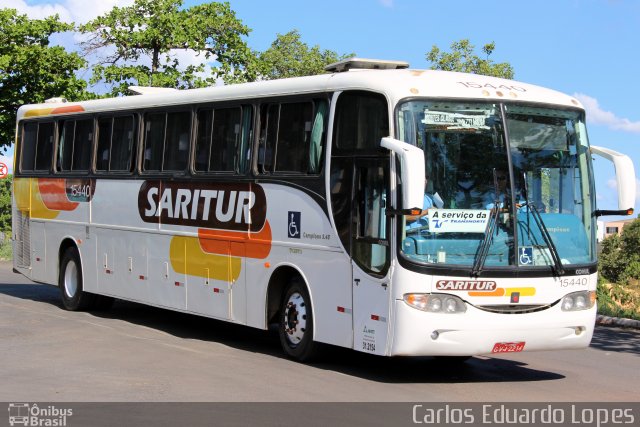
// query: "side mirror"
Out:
[625,178]
[411,171]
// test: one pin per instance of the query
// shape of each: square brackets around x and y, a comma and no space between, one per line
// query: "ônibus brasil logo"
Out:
[26,414]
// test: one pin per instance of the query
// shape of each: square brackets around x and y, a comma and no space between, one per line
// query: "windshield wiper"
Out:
[557,263]
[483,250]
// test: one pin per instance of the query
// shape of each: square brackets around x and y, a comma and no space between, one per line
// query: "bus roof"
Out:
[396,84]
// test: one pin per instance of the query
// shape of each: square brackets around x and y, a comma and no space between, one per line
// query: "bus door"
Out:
[370,254]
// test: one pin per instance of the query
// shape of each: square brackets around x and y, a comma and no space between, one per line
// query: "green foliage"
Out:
[619,301]
[289,56]
[620,257]
[619,264]
[462,59]
[31,70]
[152,29]
[6,251]
[5,204]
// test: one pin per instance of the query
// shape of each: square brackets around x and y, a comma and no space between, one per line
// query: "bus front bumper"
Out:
[477,332]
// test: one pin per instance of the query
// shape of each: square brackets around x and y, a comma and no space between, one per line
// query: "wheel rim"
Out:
[295,318]
[71,279]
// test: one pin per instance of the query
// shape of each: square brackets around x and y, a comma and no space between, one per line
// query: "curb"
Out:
[616,321]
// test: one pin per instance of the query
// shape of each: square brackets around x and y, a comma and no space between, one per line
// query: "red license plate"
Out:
[508,347]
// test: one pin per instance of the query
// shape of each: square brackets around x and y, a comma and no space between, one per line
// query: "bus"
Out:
[376,207]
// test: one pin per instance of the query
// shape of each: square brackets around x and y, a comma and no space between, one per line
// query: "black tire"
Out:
[70,282]
[295,323]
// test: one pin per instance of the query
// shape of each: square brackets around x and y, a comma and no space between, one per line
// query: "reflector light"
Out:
[341,309]
[375,317]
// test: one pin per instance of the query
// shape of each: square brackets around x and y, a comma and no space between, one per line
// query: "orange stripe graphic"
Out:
[496,293]
[60,110]
[54,194]
[256,245]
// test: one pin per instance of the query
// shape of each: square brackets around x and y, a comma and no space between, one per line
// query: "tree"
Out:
[461,58]
[289,56]
[5,204]
[154,29]
[31,70]
[620,256]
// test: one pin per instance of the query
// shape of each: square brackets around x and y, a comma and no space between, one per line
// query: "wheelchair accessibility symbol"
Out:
[526,255]
[294,224]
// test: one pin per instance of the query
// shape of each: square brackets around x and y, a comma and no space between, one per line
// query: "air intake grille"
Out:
[514,308]
[23,240]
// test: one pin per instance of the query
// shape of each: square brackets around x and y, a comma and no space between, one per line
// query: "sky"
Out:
[585,48]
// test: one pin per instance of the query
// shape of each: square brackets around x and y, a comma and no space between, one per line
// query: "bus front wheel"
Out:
[74,298]
[296,323]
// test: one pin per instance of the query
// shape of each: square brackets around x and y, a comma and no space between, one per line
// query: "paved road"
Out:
[139,353]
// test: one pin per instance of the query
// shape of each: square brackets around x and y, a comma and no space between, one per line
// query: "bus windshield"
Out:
[505,187]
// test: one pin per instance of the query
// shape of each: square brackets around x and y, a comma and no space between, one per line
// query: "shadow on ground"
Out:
[616,339]
[348,362]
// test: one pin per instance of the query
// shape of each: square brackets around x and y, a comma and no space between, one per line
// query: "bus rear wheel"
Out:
[296,323]
[74,298]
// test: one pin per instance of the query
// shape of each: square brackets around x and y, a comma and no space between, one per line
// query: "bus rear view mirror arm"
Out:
[411,171]
[625,178]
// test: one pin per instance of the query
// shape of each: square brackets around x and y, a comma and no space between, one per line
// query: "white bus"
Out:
[375,207]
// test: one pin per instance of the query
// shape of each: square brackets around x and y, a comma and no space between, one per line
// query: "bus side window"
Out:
[244,153]
[74,145]
[294,134]
[225,139]
[122,144]
[44,146]
[203,140]
[269,114]
[177,139]
[65,145]
[318,136]
[82,145]
[361,121]
[154,125]
[105,125]
[29,139]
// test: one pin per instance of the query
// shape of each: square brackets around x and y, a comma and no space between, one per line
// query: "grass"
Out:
[6,251]
[617,300]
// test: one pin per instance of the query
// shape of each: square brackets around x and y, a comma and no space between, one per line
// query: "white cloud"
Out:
[69,10]
[613,185]
[597,115]
[386,3]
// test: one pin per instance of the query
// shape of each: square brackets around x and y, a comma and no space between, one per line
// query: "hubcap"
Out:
[71,279]
[295,318]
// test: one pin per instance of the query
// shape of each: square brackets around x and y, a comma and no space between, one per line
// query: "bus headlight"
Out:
[575,301]
[435,303]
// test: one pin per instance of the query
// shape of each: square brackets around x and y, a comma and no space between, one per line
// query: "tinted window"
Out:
[361,121]
[293,135]
[167,137]
[44,146]
[74,145]
[116,136]
[29,138]
[122,144]
[104,143]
